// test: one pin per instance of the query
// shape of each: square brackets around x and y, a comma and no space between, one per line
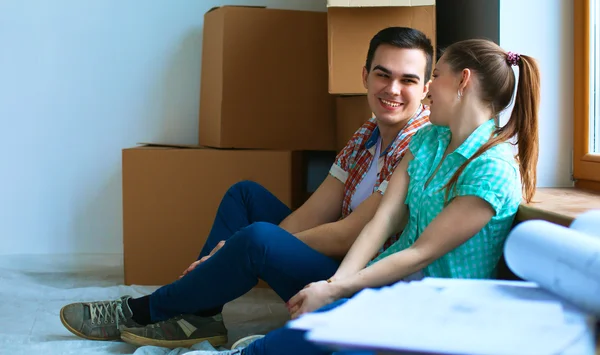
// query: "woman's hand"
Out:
[314,296]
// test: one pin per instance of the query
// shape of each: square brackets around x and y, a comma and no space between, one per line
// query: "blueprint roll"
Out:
[564,261]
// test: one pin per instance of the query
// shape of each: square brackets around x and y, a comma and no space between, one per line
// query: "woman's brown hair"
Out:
[493,68]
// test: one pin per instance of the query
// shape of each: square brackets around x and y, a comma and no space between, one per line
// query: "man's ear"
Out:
[365,75]
[425,90]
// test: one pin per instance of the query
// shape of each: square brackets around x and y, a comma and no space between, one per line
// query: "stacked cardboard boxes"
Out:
[263,100]
[350,26]
[274,83]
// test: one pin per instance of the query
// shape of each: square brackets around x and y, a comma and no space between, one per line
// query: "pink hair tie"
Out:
[513,58]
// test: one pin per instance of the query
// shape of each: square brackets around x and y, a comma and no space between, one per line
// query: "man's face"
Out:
[395,84]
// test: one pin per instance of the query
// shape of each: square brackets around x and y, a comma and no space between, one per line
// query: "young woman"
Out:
[454,195]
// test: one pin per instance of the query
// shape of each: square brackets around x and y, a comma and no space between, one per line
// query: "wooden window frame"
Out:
[586,165]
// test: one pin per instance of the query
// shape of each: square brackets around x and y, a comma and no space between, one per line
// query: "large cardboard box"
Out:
[352,24]
[171,195]
[264,80]
[351,113]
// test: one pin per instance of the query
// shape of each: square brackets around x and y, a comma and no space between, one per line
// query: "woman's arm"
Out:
[464,217]
[387,221]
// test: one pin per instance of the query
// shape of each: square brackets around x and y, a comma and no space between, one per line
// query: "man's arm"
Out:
[334,239]
[323,206]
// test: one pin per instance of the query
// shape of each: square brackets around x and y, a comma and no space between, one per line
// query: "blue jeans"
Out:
[256,247]
[292,342]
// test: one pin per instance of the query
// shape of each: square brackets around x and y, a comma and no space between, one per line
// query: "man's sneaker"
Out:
[245,341]
[98,320]
[181,331]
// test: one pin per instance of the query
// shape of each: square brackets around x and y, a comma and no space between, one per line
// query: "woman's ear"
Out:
[465,79]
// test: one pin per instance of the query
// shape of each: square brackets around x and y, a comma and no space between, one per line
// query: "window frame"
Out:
[586,165]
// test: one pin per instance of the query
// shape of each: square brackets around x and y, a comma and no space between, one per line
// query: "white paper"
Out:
[473,317]
[561,260]
[588,223]
[370,301]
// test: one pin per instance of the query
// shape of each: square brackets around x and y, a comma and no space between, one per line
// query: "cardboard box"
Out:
[171,195]
[264,80]
[351,112]
[378,3]
[350,30]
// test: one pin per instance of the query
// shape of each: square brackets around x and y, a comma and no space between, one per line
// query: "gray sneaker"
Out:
[181,331]
[98,320]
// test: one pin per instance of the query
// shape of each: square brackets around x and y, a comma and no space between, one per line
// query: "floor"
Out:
[34,288]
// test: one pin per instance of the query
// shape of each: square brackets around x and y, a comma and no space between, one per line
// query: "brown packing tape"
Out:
[194,146]
[171,145]
[244,6]
[378,3]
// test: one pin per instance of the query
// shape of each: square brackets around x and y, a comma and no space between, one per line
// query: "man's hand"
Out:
[202,259]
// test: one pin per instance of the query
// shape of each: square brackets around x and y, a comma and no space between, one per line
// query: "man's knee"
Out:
[245,186]
[259,234]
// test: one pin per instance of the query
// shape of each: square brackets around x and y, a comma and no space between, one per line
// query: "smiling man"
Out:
[396,76]
[256,236]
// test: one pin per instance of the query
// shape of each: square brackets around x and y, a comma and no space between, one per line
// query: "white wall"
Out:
[79,81]
[543,29]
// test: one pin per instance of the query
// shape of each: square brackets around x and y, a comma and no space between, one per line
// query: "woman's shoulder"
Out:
[503,153]
[426,136]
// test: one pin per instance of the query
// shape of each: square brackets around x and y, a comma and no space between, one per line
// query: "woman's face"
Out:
[443,93]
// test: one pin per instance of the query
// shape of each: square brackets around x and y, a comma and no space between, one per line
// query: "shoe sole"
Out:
[137,340]
[244,339]
[78,333]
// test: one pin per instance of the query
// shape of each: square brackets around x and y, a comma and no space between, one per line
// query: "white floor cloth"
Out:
[34,288]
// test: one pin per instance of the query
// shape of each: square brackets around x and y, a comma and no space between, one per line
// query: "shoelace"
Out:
[109,311]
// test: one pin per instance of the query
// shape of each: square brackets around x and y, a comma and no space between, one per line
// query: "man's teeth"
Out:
[390,103]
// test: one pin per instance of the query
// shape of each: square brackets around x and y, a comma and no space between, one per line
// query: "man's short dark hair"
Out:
[402,37]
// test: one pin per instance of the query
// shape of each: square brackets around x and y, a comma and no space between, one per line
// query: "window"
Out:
[594,57]
[586,144]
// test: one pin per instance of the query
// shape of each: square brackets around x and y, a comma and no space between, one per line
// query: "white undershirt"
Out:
[365,187]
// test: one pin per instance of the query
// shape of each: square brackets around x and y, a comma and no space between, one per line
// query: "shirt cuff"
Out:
[382,187]
[337,172]
[487,195]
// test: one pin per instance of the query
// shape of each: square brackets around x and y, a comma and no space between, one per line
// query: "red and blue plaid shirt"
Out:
[352,163]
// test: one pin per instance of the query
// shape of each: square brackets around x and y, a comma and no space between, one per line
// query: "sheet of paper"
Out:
[470,338]
[407,294]
[474,318]
[561,260]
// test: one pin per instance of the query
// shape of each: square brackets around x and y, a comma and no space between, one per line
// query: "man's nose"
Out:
[394,88]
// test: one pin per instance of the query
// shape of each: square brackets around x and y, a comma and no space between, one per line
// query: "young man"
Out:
[256,236]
